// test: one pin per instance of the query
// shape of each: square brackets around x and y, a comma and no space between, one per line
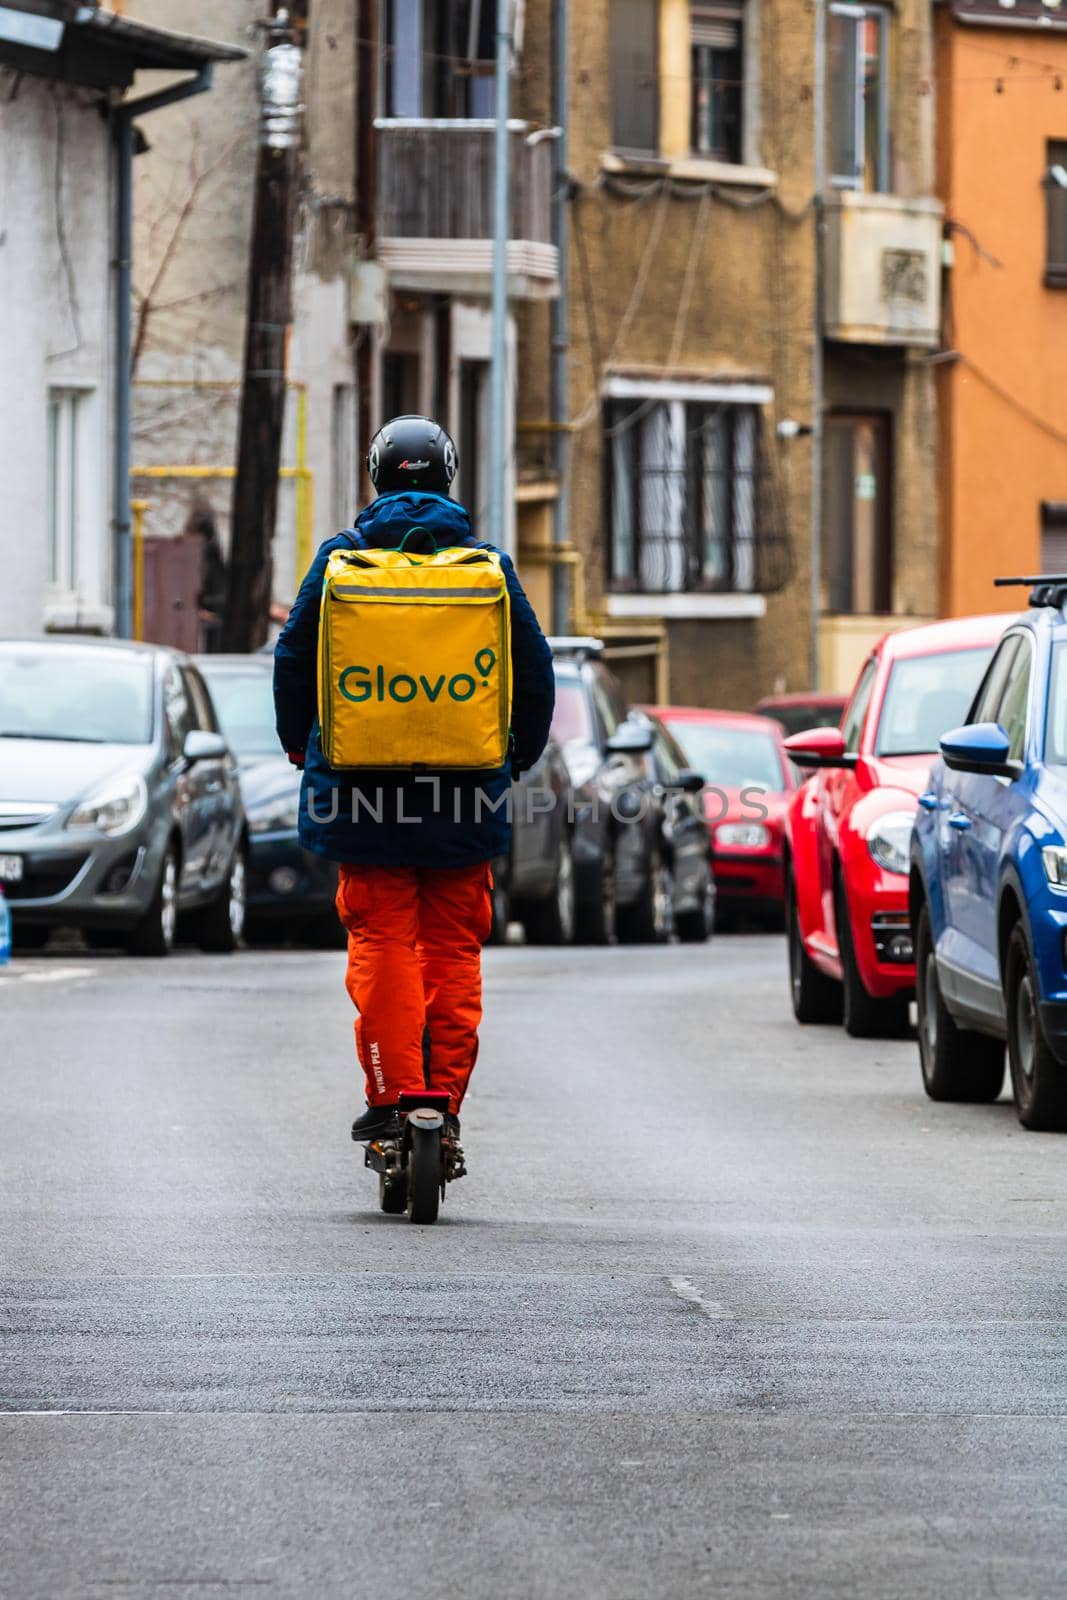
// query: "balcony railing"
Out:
[435,203]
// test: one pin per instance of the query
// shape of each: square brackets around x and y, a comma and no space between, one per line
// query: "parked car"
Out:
[848,828]
[291,891]
[120,811]
[605,753]
[749,785]
[809,708]
[673,792]
[988,882]
[534,883]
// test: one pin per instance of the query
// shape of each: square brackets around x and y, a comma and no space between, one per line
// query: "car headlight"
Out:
[1054,859]
[112,810]
[889,840]
[279,814]
[746,835]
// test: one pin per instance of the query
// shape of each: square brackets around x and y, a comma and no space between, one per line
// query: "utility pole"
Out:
[498,390]
[819,222]
[262,416]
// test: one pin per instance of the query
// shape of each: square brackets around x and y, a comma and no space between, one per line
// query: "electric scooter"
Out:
[414,1168]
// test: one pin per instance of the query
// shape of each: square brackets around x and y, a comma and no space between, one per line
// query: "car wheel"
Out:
[1039,1081]
[220,925]
[865,1016]
[157,930]
[552,921]
[651,919]
[957,1064]
[695,927]
[815,997]
[595,918]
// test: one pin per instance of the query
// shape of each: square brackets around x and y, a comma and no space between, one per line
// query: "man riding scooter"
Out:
[413,839]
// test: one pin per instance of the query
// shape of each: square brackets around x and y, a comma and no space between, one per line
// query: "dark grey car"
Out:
[120,812]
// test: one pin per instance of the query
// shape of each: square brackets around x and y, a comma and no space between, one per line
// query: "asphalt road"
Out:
[725,1307]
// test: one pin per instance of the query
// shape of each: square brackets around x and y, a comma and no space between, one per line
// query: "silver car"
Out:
[120,812]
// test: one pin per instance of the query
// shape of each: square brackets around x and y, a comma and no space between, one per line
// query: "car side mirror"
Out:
[689,780]
[200,745]
[820,747]
[979,747]
[630,739]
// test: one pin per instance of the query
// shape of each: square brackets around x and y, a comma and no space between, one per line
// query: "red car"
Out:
[848,831]
[809,708]
[750,783]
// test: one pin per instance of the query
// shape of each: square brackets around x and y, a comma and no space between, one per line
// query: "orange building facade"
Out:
[1002,174]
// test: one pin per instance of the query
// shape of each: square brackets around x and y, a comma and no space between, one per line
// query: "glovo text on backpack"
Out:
[415,660]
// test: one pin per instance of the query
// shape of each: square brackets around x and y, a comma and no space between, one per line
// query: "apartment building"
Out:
[694,303]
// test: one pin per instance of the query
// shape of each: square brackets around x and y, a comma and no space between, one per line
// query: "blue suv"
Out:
[988,886]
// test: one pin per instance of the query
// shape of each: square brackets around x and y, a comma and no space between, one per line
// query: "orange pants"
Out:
[415,939]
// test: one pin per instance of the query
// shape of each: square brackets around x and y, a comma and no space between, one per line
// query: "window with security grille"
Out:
[688,507]
[716,83]
[1056,214]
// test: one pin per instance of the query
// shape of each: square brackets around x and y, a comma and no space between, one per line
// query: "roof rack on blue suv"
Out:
[1048,589]
[988,880]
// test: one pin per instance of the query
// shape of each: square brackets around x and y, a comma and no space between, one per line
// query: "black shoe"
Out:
[452,1124]
[377,1122]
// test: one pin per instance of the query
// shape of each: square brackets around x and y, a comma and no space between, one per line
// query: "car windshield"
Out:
[245,705]
[731,756]
[926,696]
[571,721]
[76,694]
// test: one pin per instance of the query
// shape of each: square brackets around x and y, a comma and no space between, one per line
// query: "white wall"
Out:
[56,215]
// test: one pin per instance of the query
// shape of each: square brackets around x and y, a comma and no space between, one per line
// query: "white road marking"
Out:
[46,975]
[687,1290]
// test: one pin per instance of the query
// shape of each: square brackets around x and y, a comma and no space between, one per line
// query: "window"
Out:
[635,75]
[925,696]
[683,496]
[858,84]
[440,58]
[400,384]
[1056,214]
[858,541]
[177,711]
[987,701]
[856,711]
[717,71]
[1054,537]
[1016,702]
[69,467]
[200,701]
[474,429]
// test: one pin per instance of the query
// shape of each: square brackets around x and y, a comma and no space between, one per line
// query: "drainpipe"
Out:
[560,338]
[498,385]
[122,524]
[819,219]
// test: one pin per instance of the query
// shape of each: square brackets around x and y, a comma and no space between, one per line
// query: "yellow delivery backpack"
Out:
[415,659]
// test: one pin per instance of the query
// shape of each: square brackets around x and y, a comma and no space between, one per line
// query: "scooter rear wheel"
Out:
[425,1173]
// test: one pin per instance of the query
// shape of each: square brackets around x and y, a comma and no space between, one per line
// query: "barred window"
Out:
[687,501]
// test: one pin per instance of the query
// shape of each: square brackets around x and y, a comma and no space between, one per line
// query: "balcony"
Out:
[435,207]
[883,270]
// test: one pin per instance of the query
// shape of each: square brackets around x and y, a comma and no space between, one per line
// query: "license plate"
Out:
[10,869]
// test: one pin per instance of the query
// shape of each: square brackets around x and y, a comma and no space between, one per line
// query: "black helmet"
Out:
[412,453]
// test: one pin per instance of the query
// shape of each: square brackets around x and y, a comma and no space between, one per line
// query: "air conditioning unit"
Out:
[882,281]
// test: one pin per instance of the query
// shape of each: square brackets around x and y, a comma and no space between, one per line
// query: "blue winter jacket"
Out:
[434,819]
